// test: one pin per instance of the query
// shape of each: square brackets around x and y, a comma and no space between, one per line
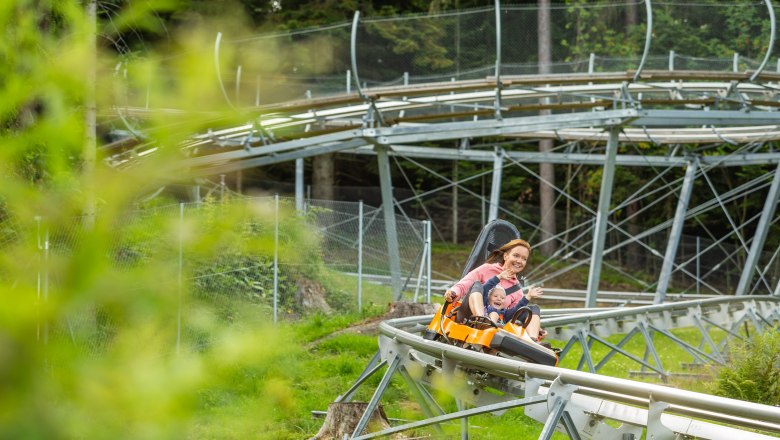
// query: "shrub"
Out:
[753,372]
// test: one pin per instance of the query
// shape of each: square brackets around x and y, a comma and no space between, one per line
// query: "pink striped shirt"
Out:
[482,274]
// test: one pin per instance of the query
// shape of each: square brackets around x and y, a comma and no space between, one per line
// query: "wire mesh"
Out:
[461,45]
[146,237]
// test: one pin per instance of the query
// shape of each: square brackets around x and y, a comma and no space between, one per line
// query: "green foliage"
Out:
[753,371]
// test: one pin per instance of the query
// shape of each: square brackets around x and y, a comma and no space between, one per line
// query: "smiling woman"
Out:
[501,268]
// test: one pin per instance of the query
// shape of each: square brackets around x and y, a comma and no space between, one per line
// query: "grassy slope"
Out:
[321,362]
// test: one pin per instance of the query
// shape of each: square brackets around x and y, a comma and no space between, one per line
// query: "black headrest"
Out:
[494,235]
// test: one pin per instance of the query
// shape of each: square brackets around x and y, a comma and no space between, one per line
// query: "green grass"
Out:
[319,362]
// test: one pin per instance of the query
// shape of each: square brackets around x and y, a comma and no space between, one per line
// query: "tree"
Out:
[546,170]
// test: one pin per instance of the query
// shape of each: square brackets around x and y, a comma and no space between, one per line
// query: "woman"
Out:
[511,257]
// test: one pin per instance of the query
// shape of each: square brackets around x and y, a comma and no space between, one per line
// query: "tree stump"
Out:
[342,419]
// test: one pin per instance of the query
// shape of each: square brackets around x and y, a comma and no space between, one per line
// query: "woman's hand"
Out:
[534,292]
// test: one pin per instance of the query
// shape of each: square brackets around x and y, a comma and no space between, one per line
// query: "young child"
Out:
[495,302]
[494,295]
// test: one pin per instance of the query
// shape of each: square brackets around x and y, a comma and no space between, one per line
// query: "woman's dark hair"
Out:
[497,256]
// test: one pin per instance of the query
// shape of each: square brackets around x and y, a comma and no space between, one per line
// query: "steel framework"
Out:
[601,119]
[581,404]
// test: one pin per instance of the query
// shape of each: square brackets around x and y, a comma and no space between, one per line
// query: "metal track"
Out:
[581,404]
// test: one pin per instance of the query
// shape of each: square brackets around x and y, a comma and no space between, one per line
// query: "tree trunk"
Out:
[342,419]
[634,251]
[631,16]
[455,202]
[323,177]
[546,170]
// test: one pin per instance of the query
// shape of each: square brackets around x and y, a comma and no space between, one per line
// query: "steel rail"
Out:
[770,47]
[648,39]
[403,331]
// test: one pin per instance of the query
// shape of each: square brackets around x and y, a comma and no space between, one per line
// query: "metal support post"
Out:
[257,91]
[591,63]
[238,82]
[759,237]
[600,227]
[276,252]
[299,185]
[676,233]
[777,289]
[495,188]
[386,187]
[428,261]
[698,264]
[179,281]
[380,389]
[360,256]
[671,60]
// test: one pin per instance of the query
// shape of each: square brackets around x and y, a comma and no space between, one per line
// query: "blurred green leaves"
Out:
[100,336]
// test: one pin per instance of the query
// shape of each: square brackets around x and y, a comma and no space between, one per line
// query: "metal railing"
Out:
[576,402]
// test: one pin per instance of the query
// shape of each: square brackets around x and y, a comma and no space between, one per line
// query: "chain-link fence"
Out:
[333,256]
[710,35]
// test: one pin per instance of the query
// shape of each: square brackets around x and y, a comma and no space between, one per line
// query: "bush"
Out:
[753,372]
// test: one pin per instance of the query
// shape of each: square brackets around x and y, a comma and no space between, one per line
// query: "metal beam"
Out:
[495,187]
[503,127]
[600,227]
[733,160]
[759,236]
[386,187]
[676,233]
[278,158]
[693,118]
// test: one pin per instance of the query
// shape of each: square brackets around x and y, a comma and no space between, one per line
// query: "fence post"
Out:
[428,259]
[591,63]
[276,252]
[299,185]
[179,280]
[46,286]
[360,256]
[698,263]
[40,278]
[222,188]
[257,91]
[238,83]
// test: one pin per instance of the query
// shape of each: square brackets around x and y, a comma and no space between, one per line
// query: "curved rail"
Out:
[648,39]
[577,402]
[772,30]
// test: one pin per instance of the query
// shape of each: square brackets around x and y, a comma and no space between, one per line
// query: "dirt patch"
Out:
[394,310]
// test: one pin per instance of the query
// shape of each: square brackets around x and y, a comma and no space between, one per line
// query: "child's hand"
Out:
[507,274]
[449,295]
